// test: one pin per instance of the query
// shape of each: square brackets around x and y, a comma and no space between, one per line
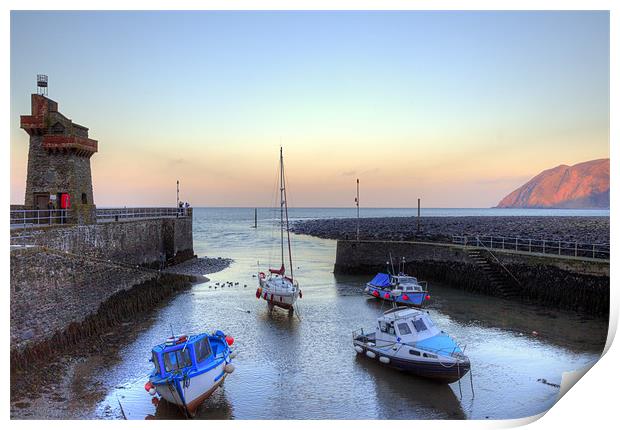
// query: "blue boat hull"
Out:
[412,299]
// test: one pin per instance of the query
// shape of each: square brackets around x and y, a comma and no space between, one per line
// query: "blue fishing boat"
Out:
[408,340]
[401,289]
[188,369]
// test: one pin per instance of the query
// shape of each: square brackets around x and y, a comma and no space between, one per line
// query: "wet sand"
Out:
[586,229]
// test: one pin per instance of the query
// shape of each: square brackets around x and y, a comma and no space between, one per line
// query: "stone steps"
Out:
[497,277]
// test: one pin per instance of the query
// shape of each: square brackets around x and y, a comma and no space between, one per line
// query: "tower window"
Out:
[84,199]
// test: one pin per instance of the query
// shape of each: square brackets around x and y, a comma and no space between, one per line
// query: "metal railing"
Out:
[536,246]
[116,214]
[28,218]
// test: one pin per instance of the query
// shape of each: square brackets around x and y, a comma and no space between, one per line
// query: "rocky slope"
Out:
[584,185]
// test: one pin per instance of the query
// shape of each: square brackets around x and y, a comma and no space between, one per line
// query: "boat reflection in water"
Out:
[216,407]
[401,396]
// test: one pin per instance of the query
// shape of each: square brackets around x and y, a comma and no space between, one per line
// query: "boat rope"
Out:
[458,370]
[121,406]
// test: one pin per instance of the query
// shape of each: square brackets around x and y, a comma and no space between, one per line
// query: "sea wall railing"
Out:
[536,246]
[28,218]
[116,214]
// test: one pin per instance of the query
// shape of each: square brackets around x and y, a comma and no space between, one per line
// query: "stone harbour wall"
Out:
[146,242]
[58,298]
[560,282]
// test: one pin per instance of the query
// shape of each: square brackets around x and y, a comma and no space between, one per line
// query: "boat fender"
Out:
[405,297]
[370,354]
[150,388]
[358,349]
[428,297]
[229,368]
[258,292]
[375,293]
[300,295]
[384,360]
[233,354]
[386,296]
[366,289]
[230,340]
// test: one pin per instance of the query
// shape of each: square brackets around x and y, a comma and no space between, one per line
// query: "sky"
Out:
[456,108]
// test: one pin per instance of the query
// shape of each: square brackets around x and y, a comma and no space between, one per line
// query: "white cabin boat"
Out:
[407,339]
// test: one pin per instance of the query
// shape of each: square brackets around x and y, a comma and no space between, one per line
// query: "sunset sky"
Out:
[458,108]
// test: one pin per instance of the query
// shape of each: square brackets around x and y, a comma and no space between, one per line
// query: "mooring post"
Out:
[418,215]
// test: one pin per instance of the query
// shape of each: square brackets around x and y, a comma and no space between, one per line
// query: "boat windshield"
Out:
[203,349]
[178,359]
[419,325]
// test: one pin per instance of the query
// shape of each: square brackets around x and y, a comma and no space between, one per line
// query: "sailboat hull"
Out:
[281,296]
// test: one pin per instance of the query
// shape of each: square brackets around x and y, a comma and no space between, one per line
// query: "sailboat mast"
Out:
[282,206]
[288,233]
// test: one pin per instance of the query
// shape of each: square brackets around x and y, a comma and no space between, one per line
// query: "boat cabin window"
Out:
[414,352]
[419,325]
[178,359]
[156,363]
[404,329]
[203,349]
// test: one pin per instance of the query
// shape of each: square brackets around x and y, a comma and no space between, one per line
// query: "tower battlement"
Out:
[59,132]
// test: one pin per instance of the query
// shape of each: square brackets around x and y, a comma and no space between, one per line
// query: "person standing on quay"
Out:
[50,208]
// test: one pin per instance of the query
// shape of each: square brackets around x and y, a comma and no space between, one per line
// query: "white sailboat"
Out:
[277,287]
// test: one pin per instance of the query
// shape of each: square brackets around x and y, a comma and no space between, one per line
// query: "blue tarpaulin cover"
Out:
[440,344]
[381,280]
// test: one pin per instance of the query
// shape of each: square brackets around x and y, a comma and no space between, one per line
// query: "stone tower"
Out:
[58,161]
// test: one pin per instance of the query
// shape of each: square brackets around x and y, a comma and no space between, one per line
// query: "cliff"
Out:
[584,185]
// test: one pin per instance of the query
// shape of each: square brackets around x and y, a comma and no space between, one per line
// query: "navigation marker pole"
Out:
[357,203]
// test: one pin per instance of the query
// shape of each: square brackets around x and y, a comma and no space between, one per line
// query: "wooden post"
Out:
[255,217]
